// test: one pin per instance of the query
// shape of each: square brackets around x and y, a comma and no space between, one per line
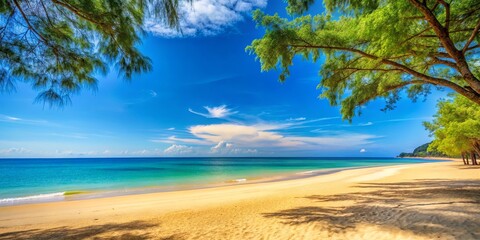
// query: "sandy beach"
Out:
[438,200]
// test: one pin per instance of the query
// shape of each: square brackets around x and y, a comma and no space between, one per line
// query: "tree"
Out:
[59,46]
[456,128]
[377,48]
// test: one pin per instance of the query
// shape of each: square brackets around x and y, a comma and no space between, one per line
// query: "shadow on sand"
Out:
[127,230]
[434,208]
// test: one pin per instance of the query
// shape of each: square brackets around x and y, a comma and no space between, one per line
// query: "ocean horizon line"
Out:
[184,157]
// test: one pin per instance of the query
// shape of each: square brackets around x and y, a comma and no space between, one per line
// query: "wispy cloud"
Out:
[205,17]
[153,93]
[174,139]
[11,119]
[141,97]
[73,135]
[221,111]
[365,124]
[98,153]
[407,119]
[321,128]
[297,119]
[14,151]
[81,135]
[395,120]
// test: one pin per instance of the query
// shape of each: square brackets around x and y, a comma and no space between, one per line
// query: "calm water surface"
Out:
[42,178]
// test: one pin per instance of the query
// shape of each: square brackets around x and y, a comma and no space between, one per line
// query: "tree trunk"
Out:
[474,158]
[466,158]
[463,158]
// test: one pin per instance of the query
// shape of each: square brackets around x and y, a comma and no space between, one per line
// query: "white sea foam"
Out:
[33,198]
[240,180]
[306,173]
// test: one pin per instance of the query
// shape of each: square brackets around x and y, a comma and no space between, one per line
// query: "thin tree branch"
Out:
[28,23]
[472,37]
[415,35]
[371,69]
[46,13]
[391,88]
[470,48]
[77,12]
[436,60]
[447,14]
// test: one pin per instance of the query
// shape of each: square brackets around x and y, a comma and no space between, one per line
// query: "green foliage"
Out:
[421,148]
[422,151]
[376,49]
[60,46]
[456,126]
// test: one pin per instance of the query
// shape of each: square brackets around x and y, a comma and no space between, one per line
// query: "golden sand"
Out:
[438,200]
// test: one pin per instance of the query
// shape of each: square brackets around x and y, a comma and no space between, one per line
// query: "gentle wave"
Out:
[306,172]
[238,180]
[32,198]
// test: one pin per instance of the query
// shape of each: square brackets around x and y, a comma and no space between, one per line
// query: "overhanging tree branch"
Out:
[474,96]
[402,67]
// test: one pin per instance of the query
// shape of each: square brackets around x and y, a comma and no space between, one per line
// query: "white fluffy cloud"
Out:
[222,147]
[267,135]
[221,111]
[226,148]
[205,17]
[178,149]
[242,136]
[363,150]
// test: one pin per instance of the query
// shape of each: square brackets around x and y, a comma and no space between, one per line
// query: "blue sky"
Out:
[207,97]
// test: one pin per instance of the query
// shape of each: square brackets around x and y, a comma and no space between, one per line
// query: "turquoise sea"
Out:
[37,180]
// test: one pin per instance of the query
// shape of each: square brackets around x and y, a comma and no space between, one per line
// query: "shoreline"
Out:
[85,195]
[76,195]
[434,158]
